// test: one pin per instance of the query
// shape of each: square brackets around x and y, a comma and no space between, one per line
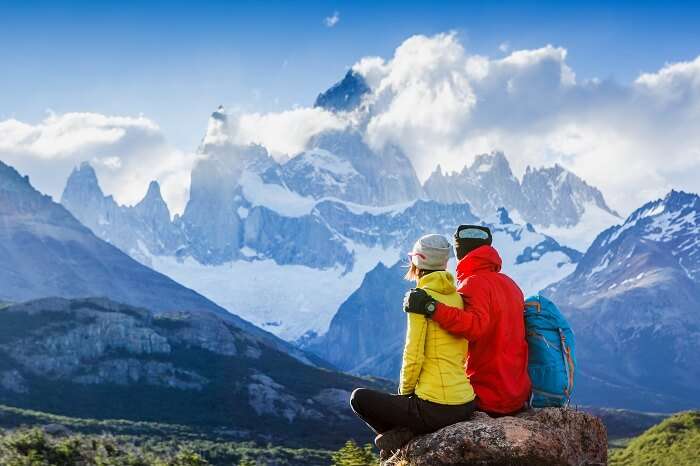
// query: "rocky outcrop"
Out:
[549,436]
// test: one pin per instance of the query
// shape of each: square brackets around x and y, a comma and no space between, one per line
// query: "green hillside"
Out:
[675,441]
[36,438]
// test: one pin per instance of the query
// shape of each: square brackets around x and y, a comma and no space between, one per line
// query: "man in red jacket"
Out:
[492,321]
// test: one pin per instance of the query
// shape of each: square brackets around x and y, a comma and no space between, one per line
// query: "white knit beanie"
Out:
[431,252]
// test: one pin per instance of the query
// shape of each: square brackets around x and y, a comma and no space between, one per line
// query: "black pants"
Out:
[384,411]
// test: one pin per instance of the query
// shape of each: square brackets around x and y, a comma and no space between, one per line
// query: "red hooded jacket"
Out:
[493,322]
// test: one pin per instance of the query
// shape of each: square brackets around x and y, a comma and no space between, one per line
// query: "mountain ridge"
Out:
[45,251]
[632,299]
[68,356]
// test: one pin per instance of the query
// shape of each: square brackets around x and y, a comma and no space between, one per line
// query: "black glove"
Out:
[418,301]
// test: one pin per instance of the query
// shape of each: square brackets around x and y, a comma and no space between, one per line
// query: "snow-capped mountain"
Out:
[145,226]
[339,164]
[554,199]
[633,300]
[282,260]
[285,243]
[487,184]
[555,196]
[345,95]
[367,333]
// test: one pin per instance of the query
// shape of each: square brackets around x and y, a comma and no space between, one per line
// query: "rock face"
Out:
[549,436]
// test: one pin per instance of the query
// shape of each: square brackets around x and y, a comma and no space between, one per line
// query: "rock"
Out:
[549,436]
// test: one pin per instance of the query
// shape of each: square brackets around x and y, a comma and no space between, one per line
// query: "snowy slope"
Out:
[581,235]
[287,300]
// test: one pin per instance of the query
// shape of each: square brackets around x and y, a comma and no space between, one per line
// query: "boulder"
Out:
[549,436]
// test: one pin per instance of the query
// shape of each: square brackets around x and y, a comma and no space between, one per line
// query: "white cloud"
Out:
[441,104]
[126,152]
[332,20]
[283,133]
[504,47]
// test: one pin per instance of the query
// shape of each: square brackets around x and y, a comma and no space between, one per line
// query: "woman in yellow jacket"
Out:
[433,390]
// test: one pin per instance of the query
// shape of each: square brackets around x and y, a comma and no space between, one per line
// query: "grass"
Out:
[675,441]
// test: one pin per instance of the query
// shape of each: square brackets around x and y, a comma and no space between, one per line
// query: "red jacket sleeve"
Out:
[472,322]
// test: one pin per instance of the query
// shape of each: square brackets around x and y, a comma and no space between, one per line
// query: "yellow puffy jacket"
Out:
[433,359]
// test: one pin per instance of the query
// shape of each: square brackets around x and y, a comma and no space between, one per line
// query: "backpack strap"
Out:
[535,304]
[568,365]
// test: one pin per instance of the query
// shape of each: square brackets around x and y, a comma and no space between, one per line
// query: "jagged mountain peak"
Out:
[84,175]
[492,161]
[345,95]
[217,130]
[153,191]
[680,200]
[486,184]
[82,186]
[11,180]
[340,164]
[153,202]
[677,215]
[86,170]
[555,195]
[220,113]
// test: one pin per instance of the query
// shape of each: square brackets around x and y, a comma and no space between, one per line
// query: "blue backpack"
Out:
[551,359]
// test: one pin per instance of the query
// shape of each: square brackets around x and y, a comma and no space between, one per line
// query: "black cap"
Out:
[470,237]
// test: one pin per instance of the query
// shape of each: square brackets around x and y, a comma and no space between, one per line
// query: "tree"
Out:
[352,455]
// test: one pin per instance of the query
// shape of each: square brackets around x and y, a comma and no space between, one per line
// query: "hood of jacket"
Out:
[481,259]
[441,282]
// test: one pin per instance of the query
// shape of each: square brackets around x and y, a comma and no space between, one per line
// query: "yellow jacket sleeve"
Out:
[413,353]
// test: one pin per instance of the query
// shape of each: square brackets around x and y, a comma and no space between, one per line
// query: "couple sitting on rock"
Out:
[477,328]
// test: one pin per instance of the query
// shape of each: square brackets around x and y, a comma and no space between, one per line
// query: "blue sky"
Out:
[176,61]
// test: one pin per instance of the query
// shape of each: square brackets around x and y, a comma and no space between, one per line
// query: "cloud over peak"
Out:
[438,102]
[127,153]
[442,104]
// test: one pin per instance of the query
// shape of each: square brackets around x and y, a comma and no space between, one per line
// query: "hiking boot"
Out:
[394,439]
